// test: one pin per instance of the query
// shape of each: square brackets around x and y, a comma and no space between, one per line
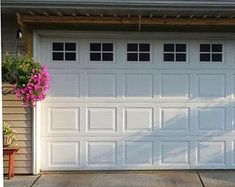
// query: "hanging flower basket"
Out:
[31,79]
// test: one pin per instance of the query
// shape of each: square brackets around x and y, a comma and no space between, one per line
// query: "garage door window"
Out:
[63,51]
[174,52]
[138,52]
[211,52]
[101,51]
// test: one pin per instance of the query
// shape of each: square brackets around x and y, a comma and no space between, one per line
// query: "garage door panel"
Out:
[210,85]
[175,119]
[101,85]
[124,114]
[138,85]
[175,152]
[175,85]
[101,119]
[64,85]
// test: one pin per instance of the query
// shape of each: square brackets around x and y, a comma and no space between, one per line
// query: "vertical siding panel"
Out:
[13,110]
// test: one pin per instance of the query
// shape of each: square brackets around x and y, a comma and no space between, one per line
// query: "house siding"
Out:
[13,111]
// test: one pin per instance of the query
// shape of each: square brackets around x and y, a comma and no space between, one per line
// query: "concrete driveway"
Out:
[127,179]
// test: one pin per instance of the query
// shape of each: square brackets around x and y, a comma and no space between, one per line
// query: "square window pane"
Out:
[216,47]
[95,56]
[57,46]
[169,57]
[107,56]
[95,47]
[132,57]
[216,57]
[70,56]
[205,57]
[181,57]
[144,47]
[58,56]
[204,47]
[132,47]
[180,48]
[107,47]
[144,57]
[70,46]
[169,47]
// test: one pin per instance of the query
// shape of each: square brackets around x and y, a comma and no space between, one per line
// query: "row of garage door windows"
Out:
[136,52]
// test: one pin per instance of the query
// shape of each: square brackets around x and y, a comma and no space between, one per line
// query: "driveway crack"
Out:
[35,180]
[203,185]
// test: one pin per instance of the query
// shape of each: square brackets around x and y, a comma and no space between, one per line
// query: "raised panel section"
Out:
[175,119]
[211,153]
[64,85]
[138,119]
[101,153]
[64,153]
[138,85]
[101,85]
[101,119]
[211,118]
[138,153]
[64,119]
[211,85]
[175,152]
[175,85]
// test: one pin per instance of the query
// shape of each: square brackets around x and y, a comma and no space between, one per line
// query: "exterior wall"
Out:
[13,110]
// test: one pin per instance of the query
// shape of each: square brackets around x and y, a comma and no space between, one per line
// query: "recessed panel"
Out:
[211,85]
[175,119]
[64,153]
[175,152]
[101,153]
[211,153]
[101,119]
[64,85]
[138,119]
[101,85]
[138,85]
[175,85]
[138,153]
[64,119]
[211,118]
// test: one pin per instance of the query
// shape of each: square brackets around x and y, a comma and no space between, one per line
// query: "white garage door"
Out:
[138,103]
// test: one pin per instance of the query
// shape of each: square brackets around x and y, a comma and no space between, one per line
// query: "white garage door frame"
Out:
[128,35]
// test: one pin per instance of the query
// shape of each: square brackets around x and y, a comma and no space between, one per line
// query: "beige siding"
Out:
[13,110]
[21,118]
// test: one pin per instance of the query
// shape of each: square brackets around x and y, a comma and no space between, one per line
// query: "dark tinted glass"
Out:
[205,57]
[144,47]
[216,47]
[95,56]
[180,48]
[168,47]
[204,47]
[95,47]
[180,57]
[168,57]
[70,56]
[132,57]
[107,56]
[217,57]
[132,47]
[107,47]
[58,46]
[70,46]
[144,57]
[58,56]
